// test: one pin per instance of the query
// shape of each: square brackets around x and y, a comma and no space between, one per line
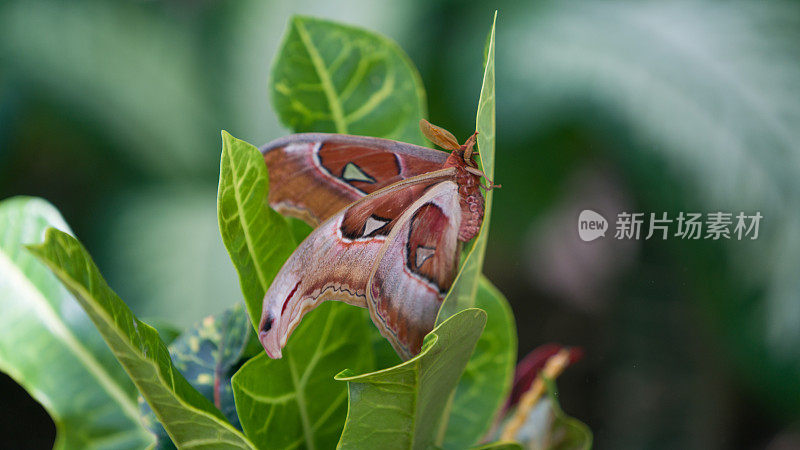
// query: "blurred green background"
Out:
[112,111]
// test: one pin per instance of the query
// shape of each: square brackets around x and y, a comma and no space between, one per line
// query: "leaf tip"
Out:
[226,137]
[344,375]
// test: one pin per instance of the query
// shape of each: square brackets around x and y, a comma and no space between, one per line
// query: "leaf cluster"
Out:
[212,386]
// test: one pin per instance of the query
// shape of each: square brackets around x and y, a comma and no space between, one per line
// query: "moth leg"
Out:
[481,174]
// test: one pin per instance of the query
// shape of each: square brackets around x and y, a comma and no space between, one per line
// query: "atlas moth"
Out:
[390,218]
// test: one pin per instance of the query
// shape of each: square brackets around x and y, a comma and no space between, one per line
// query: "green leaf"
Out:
[403,406]
[500,446]
[300,229]
[49,346]
[549,428]
[167,331]
[257,238]
[294,402]
[335,78]
[462,294]
[486,381]
[208,354]
[189,418]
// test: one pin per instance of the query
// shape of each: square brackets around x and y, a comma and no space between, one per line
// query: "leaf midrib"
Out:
[301,382]
[51,319]
[301,401]
[243,217]
[337,112]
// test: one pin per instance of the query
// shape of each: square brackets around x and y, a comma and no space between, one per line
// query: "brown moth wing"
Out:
[416,268]
[335,260]
[314,175]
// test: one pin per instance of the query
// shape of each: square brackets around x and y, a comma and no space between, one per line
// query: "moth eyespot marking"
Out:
[352,172]
[374,223]
[423,253]
[266,324]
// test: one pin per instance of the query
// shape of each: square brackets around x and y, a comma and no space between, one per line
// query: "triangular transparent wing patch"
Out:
[423,253]
[373,224]
[352,172]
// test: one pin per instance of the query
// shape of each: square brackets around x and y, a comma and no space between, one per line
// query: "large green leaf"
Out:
[189,418]
[49,346]
[335,78]
[257,238]
[462,294]
[486,381]
[402,407]
[294,402]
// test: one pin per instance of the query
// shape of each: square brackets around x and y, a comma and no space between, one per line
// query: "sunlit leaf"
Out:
[330,77]
[50,347]
[462,294]
[257,238]
[294,402]
[402,407]
[189,418]
[486,382]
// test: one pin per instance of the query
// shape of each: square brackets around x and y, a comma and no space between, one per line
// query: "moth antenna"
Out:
[438,135]
[468,146]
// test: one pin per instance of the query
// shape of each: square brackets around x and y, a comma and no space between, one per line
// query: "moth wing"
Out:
[314,175]
[334,261]
[416,268]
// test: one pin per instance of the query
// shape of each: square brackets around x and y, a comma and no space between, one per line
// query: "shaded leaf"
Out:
[335,78]
[486,381]
[385,355]
[257,238]
[300,229]
[402,407]
[189,418]
[294,401]
[462,294]
[49,346]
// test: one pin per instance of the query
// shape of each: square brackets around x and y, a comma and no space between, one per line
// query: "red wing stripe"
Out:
[286,302]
